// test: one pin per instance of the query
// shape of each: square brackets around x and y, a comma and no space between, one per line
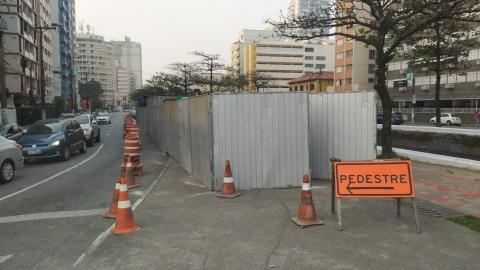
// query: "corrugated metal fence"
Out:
[264,135]
[342,125]
[272,139]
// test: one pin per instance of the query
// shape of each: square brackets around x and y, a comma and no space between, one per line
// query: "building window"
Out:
[340,42]
[296,88]
[309,49]
[301,87]
[309,65]
[348,81]
[312,87]
[349,53]
[340,55]
[321,58]
[371,54]
[371,80]
[320,66]
[338,82]
[290,88]
[371,68]
[339,69]
[308,57]
[348,67]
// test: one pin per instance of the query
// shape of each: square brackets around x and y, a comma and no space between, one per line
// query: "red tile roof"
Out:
[325,75]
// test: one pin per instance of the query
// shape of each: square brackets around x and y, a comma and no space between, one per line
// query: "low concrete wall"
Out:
[458,145]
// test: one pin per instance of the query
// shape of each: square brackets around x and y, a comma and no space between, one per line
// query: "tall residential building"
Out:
[128,60]
[95,61]
[45,39]
[305,7]
[20,48]
[354,62]
[63,12]
[280,59]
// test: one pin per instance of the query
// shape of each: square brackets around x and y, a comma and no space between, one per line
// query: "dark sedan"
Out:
[53,138]
[397,118]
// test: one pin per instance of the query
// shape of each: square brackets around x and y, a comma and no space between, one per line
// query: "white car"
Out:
[448,119]
[11,158]
[103,118]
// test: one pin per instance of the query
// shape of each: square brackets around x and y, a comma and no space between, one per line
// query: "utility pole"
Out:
[3,92]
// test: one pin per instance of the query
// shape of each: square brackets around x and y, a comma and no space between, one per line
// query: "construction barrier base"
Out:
[131,230]
[139,170]
[305,223]
[133,186]
[228,196]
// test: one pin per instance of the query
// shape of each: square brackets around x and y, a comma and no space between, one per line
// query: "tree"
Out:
[383,25]
[443,49]
[90,91]
[186,74]
[211,63]
[259,80]
[161,84]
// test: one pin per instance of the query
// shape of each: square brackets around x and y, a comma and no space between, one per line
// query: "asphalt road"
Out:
[51,213]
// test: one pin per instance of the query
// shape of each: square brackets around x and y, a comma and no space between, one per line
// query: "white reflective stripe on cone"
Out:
[131,141]
[228,180]
[123,188]
[306,186]
[129,165]
[130,148]
[117,186]
[124,204]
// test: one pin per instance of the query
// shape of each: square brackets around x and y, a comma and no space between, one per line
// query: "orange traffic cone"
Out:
[138,167]
[306,211]
[123,165]
[130,174]
[124,222]
[112,212]
[228,189]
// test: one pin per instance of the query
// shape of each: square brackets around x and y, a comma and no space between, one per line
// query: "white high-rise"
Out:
[303,7]
[95,61]
[128,61]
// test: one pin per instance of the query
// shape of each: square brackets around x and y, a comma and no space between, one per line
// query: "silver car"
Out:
[90,128]
[11,159]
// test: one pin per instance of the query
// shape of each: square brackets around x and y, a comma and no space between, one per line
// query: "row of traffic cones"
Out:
[306,216]
[120,207]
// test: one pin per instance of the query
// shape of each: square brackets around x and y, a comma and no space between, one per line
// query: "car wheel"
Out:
[449,123]
[7,171]
[91,142]
[98,137]
[84,147]
[66,153]
[432,122]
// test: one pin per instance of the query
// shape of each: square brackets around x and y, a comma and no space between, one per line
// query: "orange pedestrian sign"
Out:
[374,179]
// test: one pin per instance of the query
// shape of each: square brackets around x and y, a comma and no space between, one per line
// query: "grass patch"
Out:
[467,221]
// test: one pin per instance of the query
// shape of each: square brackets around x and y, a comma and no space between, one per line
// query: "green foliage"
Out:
[59,103]
[161,84]
[467,221]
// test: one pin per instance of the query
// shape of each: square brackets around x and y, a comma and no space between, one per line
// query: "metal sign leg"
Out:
[398,207]
[415,212]
[339,215]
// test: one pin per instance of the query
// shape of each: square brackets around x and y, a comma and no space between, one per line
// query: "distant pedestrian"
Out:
[477,119]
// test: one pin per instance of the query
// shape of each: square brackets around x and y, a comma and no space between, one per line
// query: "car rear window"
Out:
[454,115]
[83,119]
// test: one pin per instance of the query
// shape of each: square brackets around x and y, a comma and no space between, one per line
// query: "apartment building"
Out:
[278,58]
[63,12]
[354,62]
[44,19]
[20,49]
[128,60]
[459,89]
[95,61]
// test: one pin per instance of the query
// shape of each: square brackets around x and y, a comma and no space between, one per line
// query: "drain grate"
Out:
[426,210]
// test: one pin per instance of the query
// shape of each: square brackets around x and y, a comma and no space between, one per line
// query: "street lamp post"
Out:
[41,29]
[411,82]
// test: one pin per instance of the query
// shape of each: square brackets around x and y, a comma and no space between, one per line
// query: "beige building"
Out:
[44,11]
[95,61]
[278,58]
[354,63]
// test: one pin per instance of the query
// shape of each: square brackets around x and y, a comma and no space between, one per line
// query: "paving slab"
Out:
[184,226]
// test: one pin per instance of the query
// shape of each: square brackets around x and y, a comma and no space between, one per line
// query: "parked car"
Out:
[11,159]
[67,115]
[397,118]
[53,138]
[11,131]
[448,119]
[103,118]
[88,122]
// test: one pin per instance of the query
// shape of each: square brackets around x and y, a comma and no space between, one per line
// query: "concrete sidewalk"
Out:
[184,226]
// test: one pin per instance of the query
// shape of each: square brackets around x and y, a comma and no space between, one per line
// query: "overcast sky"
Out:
[170,29]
